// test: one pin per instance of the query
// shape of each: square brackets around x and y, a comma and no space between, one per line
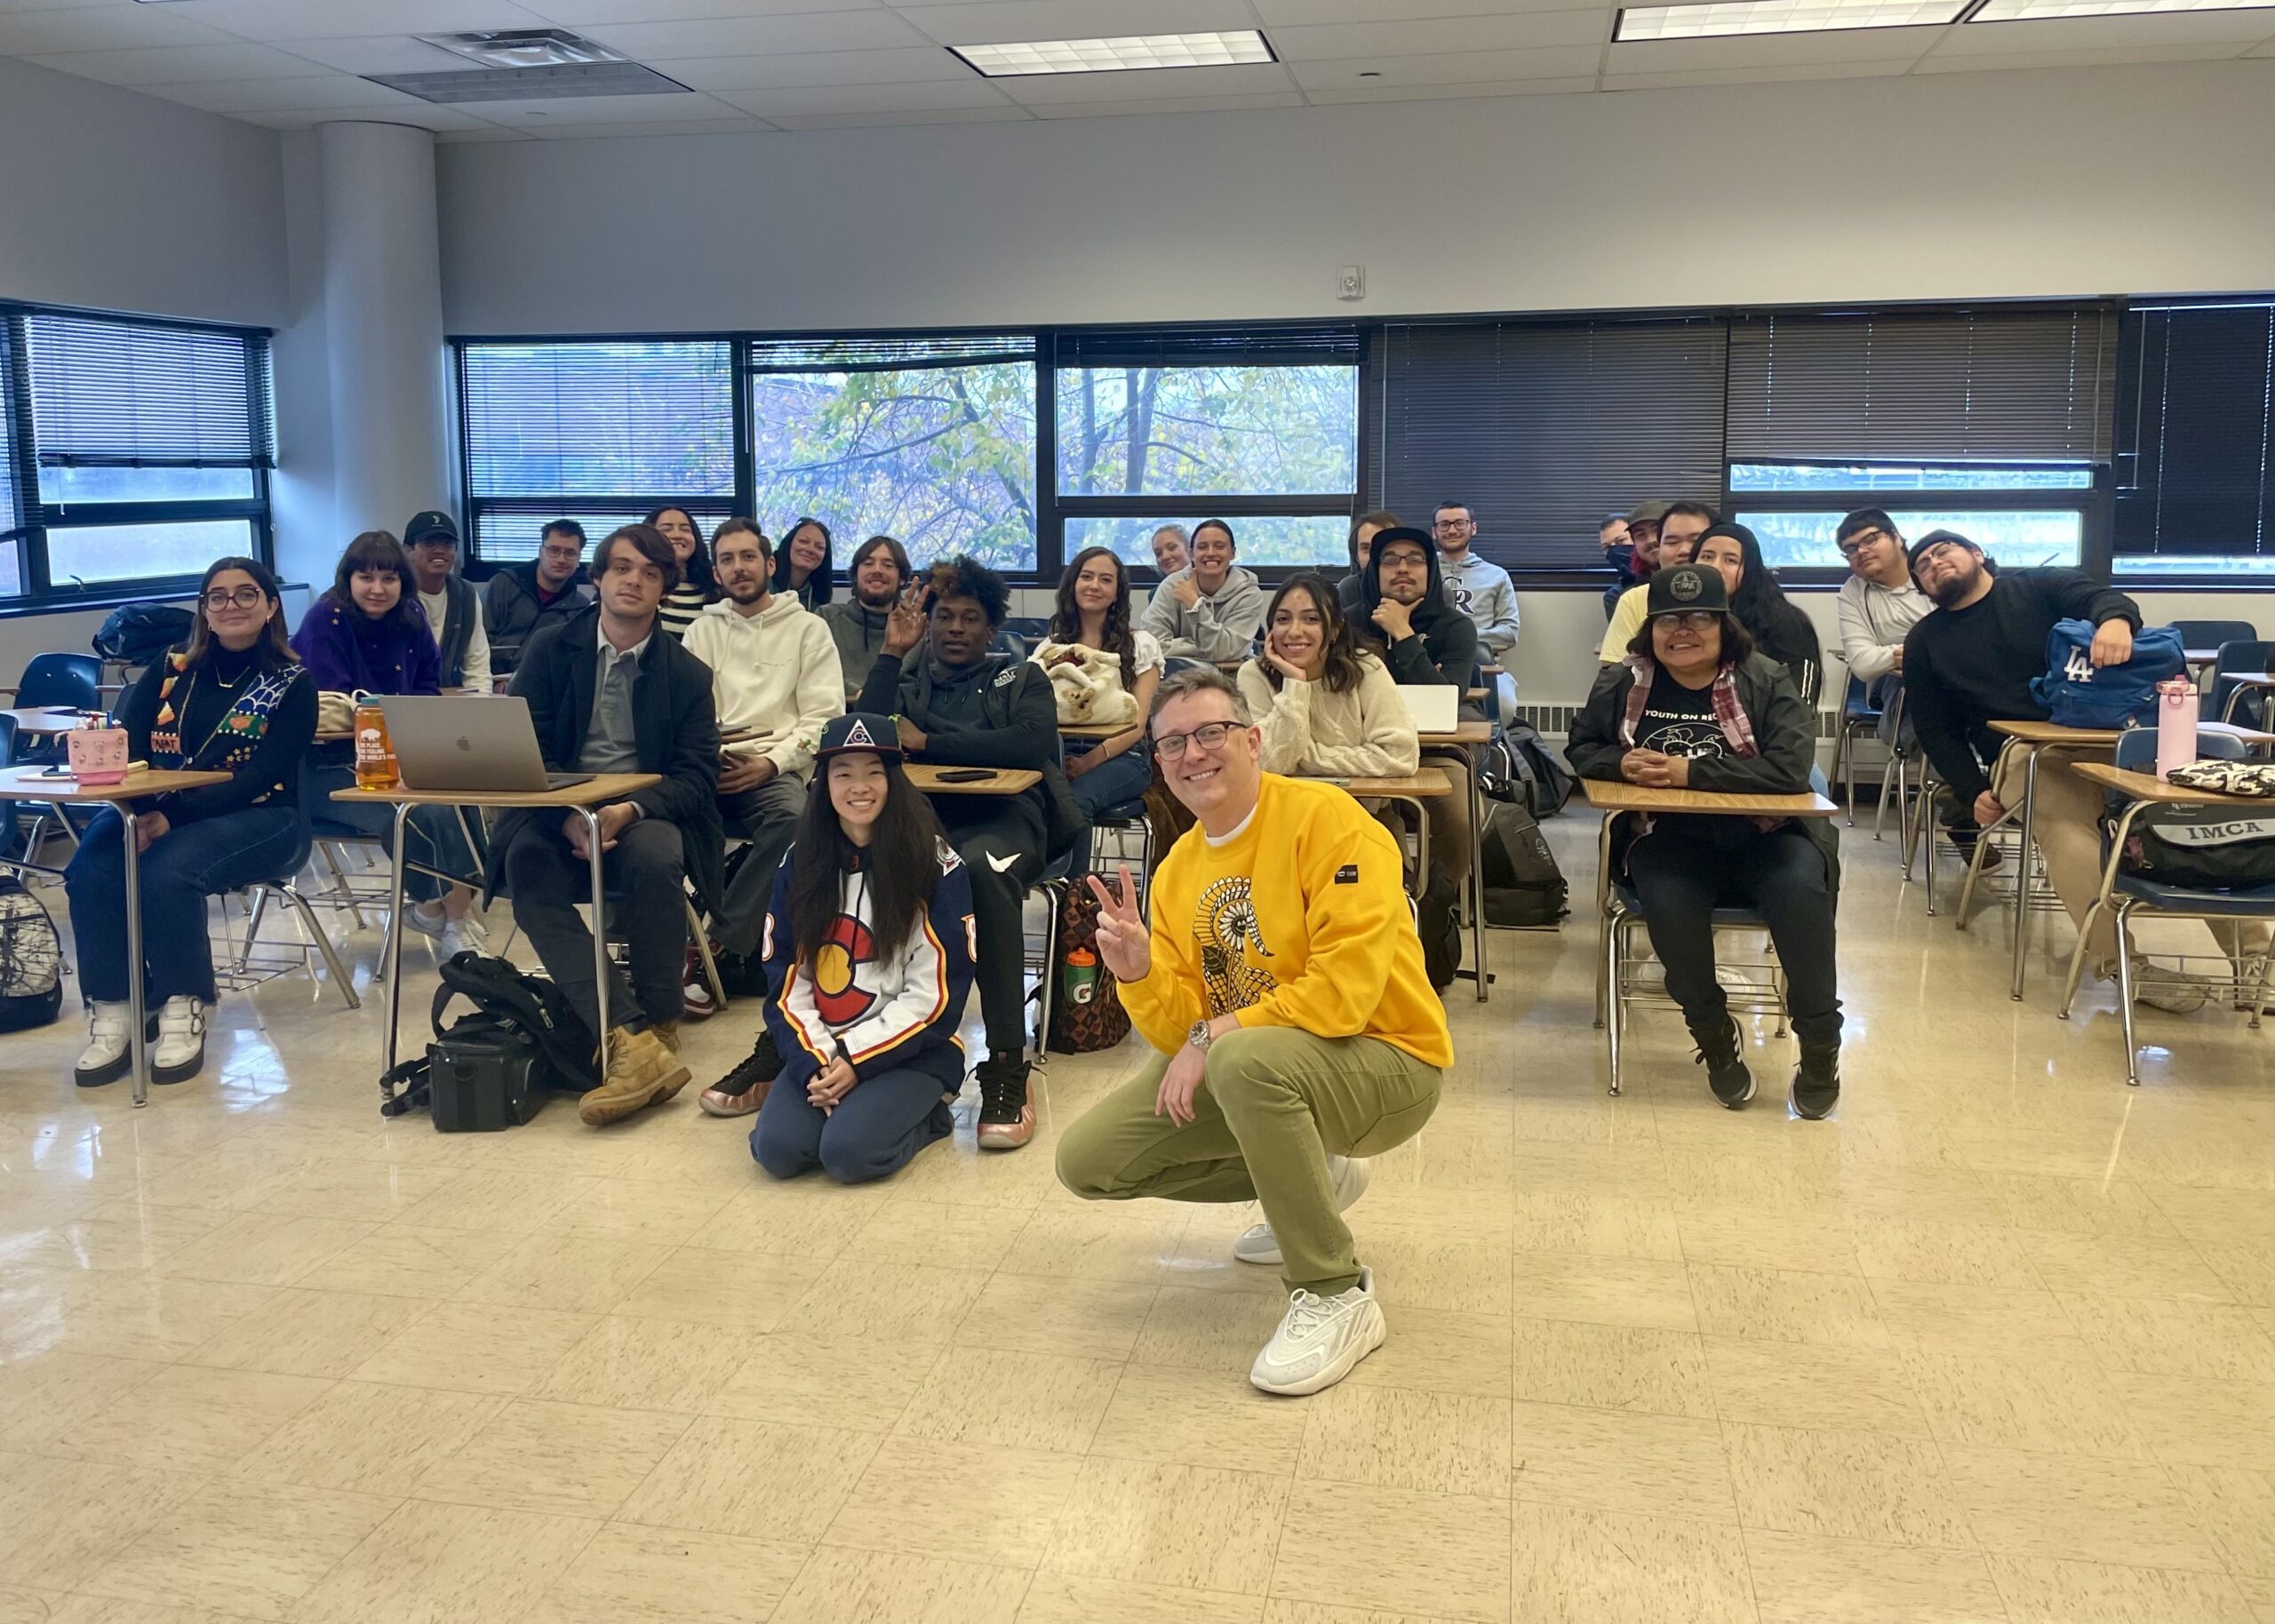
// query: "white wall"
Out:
[119,201]
[1970,185]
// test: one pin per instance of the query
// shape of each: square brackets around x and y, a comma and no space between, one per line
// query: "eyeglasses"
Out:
[243,597]
[1862,539]
[1454,524]
[1207,736]
[1690,620]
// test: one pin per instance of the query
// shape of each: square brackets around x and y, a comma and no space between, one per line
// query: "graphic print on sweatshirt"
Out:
[1225,927]
[838,994]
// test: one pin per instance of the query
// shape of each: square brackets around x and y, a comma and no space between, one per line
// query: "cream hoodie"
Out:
[1310,730]
[774,677]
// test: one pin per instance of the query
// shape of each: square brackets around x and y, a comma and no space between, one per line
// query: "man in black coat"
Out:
[608,695]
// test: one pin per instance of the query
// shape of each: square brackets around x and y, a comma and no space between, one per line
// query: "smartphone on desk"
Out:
[967,774]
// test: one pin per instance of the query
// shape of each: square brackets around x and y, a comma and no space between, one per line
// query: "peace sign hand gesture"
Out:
[905,622]
[1123,942]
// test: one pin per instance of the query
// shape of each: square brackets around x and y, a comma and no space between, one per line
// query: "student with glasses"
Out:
[235,698]
[523,600]
[1879,602]
[1479,589]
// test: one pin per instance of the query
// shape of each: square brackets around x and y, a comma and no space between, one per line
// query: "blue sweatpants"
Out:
[875,1129]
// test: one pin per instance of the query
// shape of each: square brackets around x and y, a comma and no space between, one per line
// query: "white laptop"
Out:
[468,742]
[1433,705]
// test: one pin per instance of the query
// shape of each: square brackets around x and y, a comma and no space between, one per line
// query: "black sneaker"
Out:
[1006,1114]
[1726,1069]
[743,1090]
[1991,855]
[1816,1083]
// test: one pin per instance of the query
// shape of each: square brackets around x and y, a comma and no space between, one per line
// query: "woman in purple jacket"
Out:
[368,635]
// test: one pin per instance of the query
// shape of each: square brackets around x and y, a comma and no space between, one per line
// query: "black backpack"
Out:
[1521,770]
[1437,920]
[1523,886]
[139,632]
[31,960]
[2224,848]
[522,1027]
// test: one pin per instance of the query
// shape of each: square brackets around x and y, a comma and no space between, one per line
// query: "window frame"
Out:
[40,593]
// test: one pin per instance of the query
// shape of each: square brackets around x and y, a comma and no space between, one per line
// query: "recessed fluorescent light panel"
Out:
[2021,11]
[1107,56]
[1722,18]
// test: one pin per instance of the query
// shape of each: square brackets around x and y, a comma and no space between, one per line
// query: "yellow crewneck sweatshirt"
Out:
[1299,920]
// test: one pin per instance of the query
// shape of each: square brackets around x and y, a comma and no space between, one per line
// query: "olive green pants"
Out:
[1275,1104]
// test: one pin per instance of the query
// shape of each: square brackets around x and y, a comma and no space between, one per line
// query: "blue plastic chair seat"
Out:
[2258,903]
[1126,812]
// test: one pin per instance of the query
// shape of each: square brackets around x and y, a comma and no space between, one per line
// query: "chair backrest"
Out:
[1812,683]
[1173,664]
[1008,641]
[2136,749]
[74,679]
[2212,633]
[2245,655]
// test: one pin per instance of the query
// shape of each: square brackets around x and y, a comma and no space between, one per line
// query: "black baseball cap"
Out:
[1684,587]
[434,524]
[854,730]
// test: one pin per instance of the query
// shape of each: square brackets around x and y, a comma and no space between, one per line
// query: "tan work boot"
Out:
[667,1031]
[641,1072]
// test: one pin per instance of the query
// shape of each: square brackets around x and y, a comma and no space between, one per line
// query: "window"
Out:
[1257,427]
[135,452]
[930,441]
[2195,441]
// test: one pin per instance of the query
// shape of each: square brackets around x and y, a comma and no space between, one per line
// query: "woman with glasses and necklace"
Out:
[1694,706]
[232,699]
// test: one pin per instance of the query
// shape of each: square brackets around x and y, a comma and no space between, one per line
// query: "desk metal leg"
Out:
[2023,879]
[1473,761]
[137,1039]
[391,948]
[600,933]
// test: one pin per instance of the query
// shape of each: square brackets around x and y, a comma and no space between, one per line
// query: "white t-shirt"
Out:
[477,675]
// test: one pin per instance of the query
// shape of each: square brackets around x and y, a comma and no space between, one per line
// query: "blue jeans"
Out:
[180,870]
[430,835]
[874,1131]
[1108,784]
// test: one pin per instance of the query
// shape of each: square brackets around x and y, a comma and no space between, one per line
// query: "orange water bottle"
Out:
[375,768]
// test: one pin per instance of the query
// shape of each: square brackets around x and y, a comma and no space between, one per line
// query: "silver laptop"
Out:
[468,742]
[1433,705]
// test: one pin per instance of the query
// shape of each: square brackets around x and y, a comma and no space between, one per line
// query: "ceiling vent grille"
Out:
[533,84]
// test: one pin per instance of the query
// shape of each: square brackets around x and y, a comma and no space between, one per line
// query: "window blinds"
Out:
[606,418]
[112,394]
[2196,431]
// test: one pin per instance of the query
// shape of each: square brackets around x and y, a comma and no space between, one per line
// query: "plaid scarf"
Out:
[1729,715]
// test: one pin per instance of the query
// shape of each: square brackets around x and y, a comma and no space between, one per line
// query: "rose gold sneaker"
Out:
[1006,1113]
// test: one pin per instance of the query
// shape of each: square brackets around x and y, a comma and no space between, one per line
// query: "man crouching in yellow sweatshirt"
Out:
[1283,984]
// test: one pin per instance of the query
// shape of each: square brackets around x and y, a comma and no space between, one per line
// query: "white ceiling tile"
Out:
[1685,78]
[376,54]
[865,30]
[419,115]
[1285,13]
[1458,67]
[177,64]
[51,5]
[1946,62]
[2266,50]
[100,28]
[804,67]
[564,130]
[676,107]
[487,132]
[275,21]
[578,13]
[1169,104]
[1444,35]
[932,96]
[1147,84]
[942,115]
[1377,90]
[2105,33]
[283,95]
[1770,49]
[994,22]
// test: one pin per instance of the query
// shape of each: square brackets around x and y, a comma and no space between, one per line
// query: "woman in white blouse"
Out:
[1327,705]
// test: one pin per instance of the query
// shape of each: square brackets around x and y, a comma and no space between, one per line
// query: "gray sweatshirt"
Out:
[1219,627]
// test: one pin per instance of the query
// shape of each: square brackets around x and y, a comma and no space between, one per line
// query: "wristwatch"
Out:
[1200,1036]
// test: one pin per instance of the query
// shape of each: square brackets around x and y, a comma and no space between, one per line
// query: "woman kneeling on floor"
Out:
[234,699]
[1695,707]
[869,947]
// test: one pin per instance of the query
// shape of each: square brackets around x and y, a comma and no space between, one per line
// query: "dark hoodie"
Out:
[514,609]
[1443,649]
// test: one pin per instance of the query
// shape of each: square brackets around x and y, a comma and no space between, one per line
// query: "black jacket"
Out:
[1443,649]
[671,720]
[514,612]
[1784,732]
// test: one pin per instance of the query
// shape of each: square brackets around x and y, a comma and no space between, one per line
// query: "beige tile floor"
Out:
[1993,1345]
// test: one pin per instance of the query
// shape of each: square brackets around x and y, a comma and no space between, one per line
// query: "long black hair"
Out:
[273,649]
[378,553]
[1344,669]
[1066,623]
[902,861]
[816,592]
[697,571]
[1759,604]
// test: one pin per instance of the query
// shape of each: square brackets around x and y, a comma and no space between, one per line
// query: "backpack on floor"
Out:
[1086,1012]
[1521,770]
[1523,886]
[494,1066]
[1437,920]
[31,960]
[2076,694]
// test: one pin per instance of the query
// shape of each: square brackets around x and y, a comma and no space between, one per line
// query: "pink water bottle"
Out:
[2175,724]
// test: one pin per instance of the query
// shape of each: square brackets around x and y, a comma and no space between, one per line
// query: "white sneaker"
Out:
[1321,1340]
[180,1053]
[2255,970]
[2175,992]
[427,918]
[1346,1175]
[465,936]
[108,1053]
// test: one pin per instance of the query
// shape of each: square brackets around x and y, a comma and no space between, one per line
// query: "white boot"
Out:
[180,1053]
[108,1053]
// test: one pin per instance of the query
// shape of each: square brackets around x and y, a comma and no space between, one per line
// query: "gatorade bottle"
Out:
[375,768]
[1082,979]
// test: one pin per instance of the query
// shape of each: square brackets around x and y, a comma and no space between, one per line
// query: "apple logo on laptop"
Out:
[465,744]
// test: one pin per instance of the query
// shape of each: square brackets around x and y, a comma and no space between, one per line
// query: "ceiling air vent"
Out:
[529,65]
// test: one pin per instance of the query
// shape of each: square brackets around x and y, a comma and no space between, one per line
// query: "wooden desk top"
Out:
[1464,733]
[2148,787]
[2053,733]
[1427,784]
[1606,796]
[26,781]
[594,792]
[52,719]
[1000,781]
[2250,736]
[1094,729]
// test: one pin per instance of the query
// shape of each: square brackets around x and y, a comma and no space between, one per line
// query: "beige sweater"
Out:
[1366,733]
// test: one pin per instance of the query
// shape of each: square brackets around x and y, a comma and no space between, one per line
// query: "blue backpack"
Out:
[2116,696]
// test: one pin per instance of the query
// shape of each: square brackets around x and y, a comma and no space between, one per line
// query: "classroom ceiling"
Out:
[822,64]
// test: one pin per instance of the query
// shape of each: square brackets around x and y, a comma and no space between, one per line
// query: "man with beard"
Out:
[879,574]
[1671,542]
